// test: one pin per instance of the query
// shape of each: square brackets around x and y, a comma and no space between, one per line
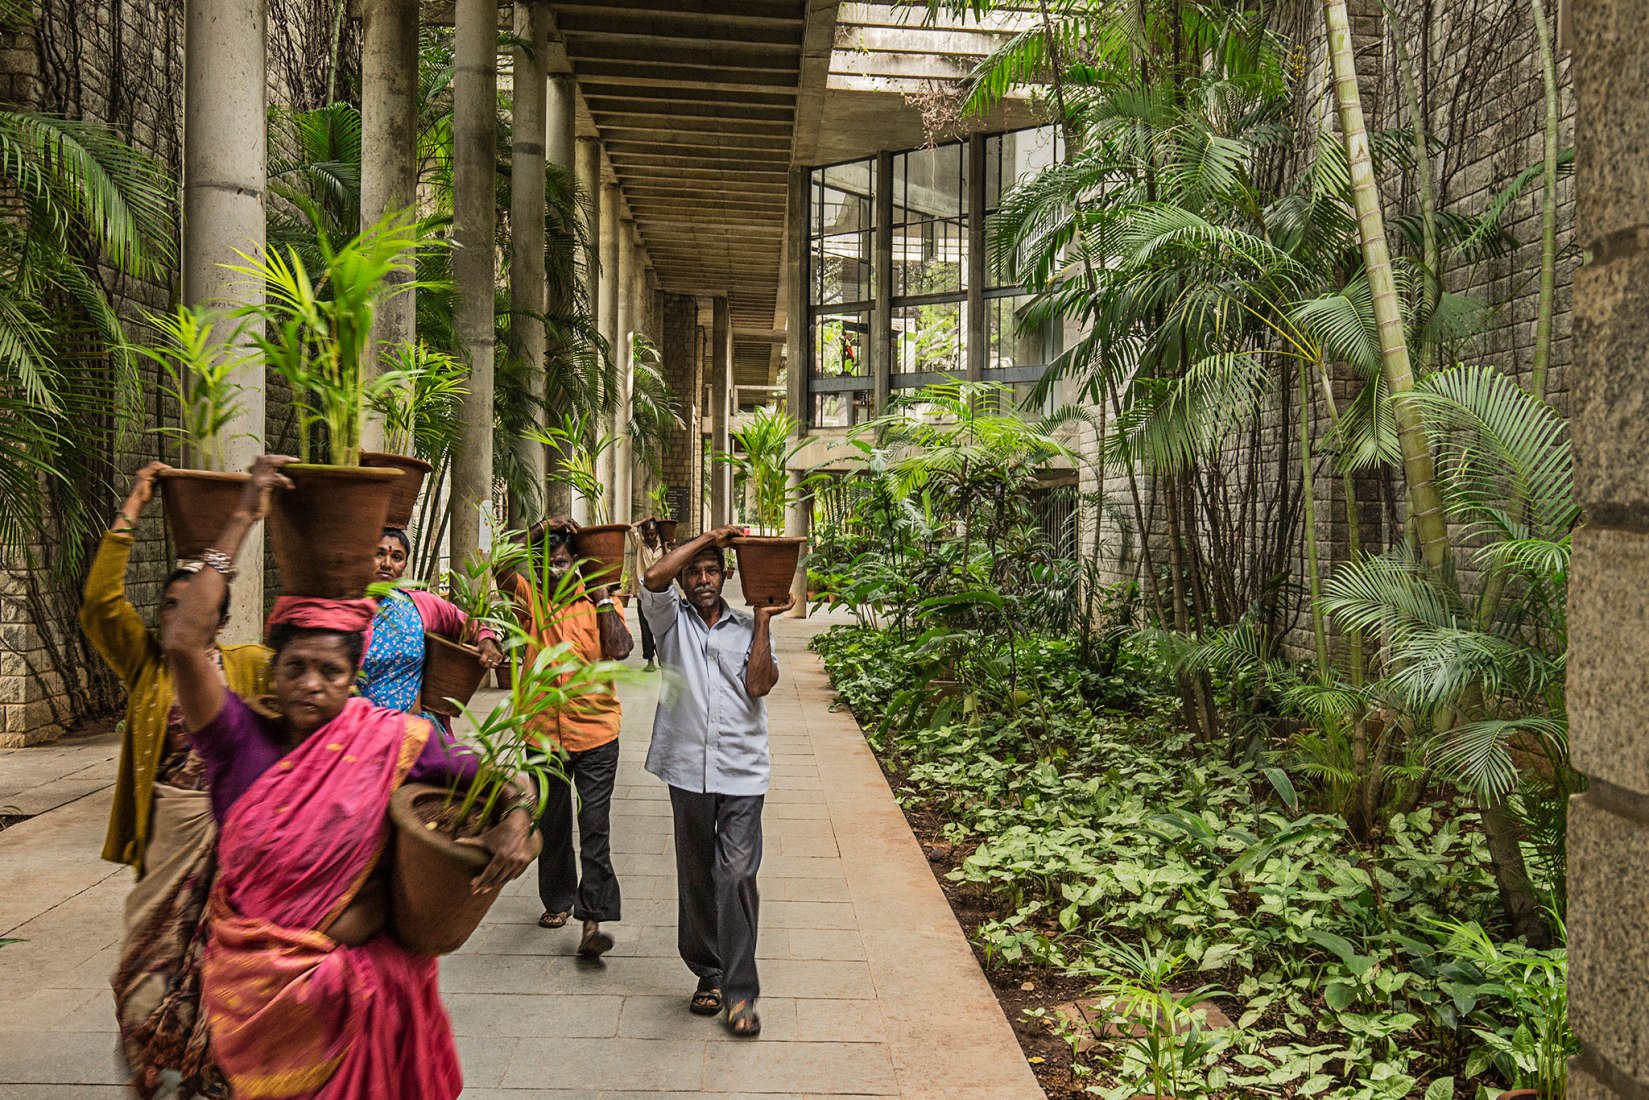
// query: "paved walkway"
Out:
[869,986]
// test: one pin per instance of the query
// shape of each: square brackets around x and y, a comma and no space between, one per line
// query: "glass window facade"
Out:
[919,328]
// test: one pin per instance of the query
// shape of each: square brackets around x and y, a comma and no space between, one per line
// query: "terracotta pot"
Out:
[502,677]
[451,671]
[769,566]
[1519,1094]
[403,499]
[326,528]
[666,530]
[603,545]
[432,911]
[198,503]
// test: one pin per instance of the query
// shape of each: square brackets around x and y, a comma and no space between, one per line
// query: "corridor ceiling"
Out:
[696,103]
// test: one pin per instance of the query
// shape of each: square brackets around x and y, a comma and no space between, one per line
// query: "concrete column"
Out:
[607,296]
[880,351]
[1608,920]
[224,170]
[798,334]
[474,230]
[798,520]
[389,154]
[618,486]
[588,156]
[976,323]
[721,352]
[527,273]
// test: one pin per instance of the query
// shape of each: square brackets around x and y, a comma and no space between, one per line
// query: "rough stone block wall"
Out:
[680,346]
[1608,602]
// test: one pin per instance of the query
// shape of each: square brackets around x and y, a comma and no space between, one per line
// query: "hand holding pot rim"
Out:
[266,477]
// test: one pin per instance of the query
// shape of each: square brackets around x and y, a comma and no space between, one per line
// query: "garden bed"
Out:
[1087,846]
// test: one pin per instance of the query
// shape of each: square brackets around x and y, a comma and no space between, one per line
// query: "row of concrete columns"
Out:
[225,177]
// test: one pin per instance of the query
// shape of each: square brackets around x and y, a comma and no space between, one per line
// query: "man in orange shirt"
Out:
[588,731]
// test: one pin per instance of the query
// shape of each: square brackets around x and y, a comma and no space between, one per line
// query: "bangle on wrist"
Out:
[219,561]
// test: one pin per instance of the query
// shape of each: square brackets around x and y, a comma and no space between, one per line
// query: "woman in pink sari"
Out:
[305,995]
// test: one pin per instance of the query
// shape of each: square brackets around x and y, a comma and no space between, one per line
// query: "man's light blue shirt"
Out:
[709,736]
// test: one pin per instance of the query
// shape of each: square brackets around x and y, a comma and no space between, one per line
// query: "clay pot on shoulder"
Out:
[403,499]
[326,528]
[452,671]
[603,547]
[198,504]
[432,911]
[768,564]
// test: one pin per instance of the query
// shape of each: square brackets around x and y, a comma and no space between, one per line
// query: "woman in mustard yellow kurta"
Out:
[118,632]
[161,821]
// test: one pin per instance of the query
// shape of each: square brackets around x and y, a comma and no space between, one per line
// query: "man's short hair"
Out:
[712,552]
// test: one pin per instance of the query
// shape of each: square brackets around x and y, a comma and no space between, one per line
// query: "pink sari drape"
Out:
[294,1014]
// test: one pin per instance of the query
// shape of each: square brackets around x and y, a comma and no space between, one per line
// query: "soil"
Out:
[8,820]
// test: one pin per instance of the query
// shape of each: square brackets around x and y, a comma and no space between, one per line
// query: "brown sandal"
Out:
[553,920]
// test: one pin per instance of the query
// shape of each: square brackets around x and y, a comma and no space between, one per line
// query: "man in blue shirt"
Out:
[710,745]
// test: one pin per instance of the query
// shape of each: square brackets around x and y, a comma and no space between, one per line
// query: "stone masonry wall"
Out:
[683,371]
[1608,600]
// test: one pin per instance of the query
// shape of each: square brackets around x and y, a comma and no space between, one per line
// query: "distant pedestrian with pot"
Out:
[710,746]
[650,548]
[585,887]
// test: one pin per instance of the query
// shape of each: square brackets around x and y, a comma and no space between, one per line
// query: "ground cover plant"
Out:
[1115,855]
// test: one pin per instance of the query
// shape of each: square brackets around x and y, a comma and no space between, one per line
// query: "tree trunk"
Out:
[1548,209]
[1425,503]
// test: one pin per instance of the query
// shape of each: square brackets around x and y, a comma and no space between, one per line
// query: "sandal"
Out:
[705,1002]
[553,920]
[742,1020]
[595,943]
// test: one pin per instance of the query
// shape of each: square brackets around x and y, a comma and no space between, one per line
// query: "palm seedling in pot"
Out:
[767,562]
[600,544]
[199,365]
[418,380]
[317,336]
[434,911]
[453,670]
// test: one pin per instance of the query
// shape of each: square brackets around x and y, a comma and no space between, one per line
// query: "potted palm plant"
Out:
[453,670]
[419,376]
[199,372]
[318,338]
[599,545]
[767,561]
[658,502]
[433,909]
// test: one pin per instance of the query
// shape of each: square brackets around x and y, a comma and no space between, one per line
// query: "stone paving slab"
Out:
[871,990]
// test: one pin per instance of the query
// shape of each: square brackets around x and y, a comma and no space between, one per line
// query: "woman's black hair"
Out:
[184,573]
[399,536]
[284,634]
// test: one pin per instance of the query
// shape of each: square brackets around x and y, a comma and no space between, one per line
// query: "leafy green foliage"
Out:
[1113,847]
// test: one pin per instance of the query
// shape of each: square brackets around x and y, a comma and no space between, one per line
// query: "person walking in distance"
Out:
[710,745]
[650,549]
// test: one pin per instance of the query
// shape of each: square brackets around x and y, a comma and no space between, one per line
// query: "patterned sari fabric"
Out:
[394,662]
[157,984]
[293,1013]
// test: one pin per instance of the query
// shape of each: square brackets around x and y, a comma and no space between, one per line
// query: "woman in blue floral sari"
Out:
[394,662]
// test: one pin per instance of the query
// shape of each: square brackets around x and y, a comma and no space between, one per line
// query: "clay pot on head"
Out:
[769,567]
[198,504]
[451,672]
[403,500]
[666,530]
[432,911]
[603,546]
[326,528]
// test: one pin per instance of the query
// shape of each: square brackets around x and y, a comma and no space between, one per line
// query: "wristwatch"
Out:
[604,602]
